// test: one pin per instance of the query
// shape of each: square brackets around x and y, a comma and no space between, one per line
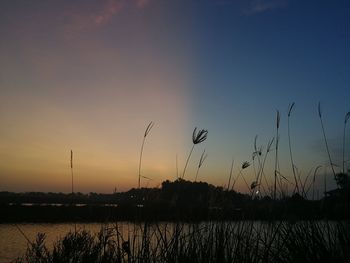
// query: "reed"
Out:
[290,109]
[200,163]
[325,139]
[255,155]
[148,129]
[244,166]
[177,168]
[197,138]
[276,153]
[261,173]
[347,116]
[71,169]
[314,180]
[230,176]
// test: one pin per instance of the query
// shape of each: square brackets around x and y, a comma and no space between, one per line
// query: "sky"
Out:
[89,75]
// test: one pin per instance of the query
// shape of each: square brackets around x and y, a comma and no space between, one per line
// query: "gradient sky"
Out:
[89,75]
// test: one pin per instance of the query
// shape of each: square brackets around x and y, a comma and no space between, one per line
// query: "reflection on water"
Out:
[13,244]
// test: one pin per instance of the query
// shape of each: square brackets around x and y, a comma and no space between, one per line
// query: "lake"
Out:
[14,244]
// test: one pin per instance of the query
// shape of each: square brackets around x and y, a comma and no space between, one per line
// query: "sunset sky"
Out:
[89,75]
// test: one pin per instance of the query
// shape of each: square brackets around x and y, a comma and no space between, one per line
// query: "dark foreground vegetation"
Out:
[241,241]
[290,228]
[179,200]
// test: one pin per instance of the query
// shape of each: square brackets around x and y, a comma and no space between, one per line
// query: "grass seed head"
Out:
[245,165]
[199,137]
[253,185]
[71,159]
[202,159]
[319,110]
[148,129]
[278,119]
[269,145]
[347,116]
[291,106]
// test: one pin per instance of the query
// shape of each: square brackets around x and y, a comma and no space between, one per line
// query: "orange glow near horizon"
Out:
[92,84]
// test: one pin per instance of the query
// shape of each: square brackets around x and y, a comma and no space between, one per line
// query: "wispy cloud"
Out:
[261,6]
[101,14]
[104,16]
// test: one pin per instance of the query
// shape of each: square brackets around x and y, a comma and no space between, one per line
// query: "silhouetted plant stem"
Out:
[229,179]
[71,169]
[325,139]
[313,181]
[196,139]
[234,181]
[201,161]
[244,166]
[325,182]
[290,148]
[148,129]
[177,168]
[347,116]
[188,159]
[276,156]
[257,154]
[261,173]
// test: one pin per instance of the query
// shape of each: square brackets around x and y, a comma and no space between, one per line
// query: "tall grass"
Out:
[71,169]
[290,109]
[260,174]
[200,163]
[197,138]
[241,241]
[347,116]
[325,139]
[230,175]
[314,180]
[244,166]
[148,129]
[276,153]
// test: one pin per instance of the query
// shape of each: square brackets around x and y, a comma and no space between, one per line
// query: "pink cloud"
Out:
[104,16]
[80,18]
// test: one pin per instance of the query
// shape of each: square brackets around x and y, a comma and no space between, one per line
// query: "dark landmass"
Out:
[178,200]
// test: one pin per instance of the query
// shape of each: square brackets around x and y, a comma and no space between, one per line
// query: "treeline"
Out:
[178,200]
[179,192]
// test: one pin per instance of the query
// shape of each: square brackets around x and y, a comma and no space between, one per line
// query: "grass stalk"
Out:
[325,139]
[290,109]
[313,181]
[276,154]
[201,161]
[71,170]
[244,166]
[148,129]
[347,116]
[196,139]
[261,173]
[231,170]
[188,159]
